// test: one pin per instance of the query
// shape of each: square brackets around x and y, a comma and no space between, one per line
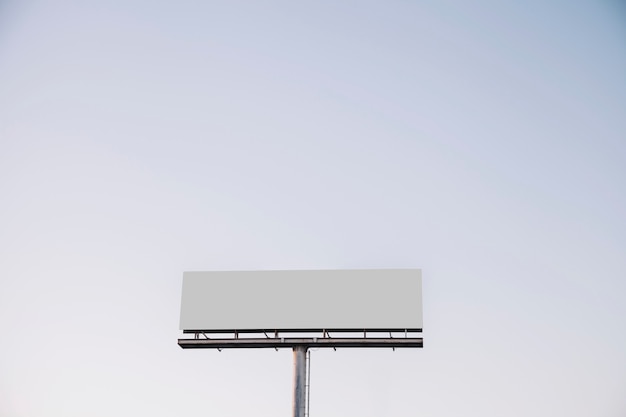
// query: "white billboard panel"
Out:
[302,300]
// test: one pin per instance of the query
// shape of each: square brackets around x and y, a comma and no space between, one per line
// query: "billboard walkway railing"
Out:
[341,338]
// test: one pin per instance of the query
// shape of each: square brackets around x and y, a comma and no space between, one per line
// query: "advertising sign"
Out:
[302,300]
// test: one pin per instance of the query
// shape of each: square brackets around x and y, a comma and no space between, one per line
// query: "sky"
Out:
[483,142]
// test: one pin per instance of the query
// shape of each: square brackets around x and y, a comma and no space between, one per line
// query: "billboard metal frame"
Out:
[305,342]
[378,338]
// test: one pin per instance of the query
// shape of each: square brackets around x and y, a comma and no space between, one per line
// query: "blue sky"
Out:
[483,143]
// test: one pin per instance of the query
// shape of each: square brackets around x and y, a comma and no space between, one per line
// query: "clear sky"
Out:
[484,142]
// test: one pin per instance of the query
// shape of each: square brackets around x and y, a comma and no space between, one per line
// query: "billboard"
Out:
[303,300]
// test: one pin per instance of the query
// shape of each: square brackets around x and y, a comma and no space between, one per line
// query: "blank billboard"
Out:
[383,299]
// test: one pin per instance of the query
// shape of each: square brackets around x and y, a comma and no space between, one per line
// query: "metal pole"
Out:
[299,380]
[308,383]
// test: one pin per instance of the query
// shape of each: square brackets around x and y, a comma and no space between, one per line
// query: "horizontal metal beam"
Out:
[350,330]
[309,342]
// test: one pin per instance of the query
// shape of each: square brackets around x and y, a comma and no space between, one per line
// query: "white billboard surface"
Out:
[302,300]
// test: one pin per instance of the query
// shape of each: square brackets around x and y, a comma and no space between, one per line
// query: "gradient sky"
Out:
[484,142]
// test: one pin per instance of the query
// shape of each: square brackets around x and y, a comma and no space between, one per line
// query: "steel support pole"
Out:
[299,380]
